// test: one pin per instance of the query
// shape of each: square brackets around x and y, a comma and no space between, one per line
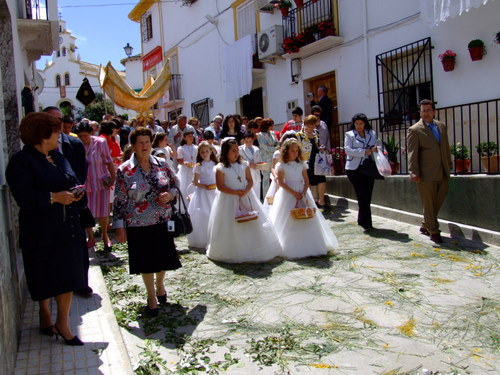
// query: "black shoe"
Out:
[75,341]
[436,238]
[162,299]
[368,229]
[424,230]
[47,331]
[85,292]
[151,312]
[108,247]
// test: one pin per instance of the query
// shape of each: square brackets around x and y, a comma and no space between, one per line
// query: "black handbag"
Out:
[369,168]
[181,220]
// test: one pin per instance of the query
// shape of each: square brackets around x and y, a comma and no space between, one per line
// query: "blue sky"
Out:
[102,28]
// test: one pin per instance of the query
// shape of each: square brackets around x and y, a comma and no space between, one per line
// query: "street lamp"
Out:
[128,50]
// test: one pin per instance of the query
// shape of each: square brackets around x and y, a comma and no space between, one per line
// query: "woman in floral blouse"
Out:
[145,191]
[267,145]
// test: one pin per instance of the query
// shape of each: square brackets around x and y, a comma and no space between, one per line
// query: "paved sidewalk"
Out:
[93,321]
[388,302]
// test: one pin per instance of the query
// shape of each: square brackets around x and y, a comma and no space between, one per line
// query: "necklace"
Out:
[240,179]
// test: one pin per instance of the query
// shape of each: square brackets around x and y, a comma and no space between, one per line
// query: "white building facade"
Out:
[379,60]
[64,75]
[26,33]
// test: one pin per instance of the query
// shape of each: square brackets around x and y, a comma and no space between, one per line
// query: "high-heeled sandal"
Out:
[47,331]
[162,299]
[91,243]
[75,341]
[107,246]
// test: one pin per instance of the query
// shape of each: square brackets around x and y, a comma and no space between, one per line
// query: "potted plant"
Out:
[489,156]
[496,38]
[284,6]
[293,43]
[299,3]
[476,49]
[462,160]
[392,149]
[314,31]
[448,60]
[338,156]
[326,28]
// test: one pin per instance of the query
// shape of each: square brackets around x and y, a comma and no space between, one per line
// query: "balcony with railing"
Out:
[174,96]
[473,133]
[38,27]
[311,29]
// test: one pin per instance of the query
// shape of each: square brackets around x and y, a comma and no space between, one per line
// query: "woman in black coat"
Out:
[51,237]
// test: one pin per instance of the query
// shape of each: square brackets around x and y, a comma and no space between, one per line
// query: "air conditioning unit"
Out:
[270,42]
[266,5]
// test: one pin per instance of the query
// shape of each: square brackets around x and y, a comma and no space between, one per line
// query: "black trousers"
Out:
[363,185]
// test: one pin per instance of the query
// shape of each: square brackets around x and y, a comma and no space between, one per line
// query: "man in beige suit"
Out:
[429,163]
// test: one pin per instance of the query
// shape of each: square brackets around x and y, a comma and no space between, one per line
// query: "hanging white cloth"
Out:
[237,64]
[437,11]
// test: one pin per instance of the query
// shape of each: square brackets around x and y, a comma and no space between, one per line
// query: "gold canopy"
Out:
[123,95]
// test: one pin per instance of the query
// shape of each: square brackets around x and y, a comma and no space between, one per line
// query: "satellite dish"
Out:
[39,82]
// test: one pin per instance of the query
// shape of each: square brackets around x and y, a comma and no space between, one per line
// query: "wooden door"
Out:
[330,83]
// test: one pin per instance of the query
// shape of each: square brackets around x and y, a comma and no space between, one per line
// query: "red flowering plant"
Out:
[447,55]
[326,27]
[338,153]
[293,43]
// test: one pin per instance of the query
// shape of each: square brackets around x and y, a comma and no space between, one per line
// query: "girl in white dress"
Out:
[251,154]
[203,196]
[186,157]
[160,142]
[299,238]
[273,187]
[253,241]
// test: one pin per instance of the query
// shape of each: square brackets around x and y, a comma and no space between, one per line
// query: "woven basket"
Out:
[243,217]
[212,187]
[302,213]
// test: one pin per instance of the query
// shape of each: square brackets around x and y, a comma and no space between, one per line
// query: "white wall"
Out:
[389,25]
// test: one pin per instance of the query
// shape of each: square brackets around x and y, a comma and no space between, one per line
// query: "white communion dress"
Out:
[201,204]
[273,187]
[252,155]
[253,241]
[299,238]
[185,173]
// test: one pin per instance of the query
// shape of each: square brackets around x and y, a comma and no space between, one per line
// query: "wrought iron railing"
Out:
[313,13]
[36,9]
[471,125]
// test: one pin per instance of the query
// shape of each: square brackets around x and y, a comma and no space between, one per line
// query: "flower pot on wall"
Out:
[462,165]
[299,3]
[284,12]
[491,163]
[394,167]
[448,64]
[476,53]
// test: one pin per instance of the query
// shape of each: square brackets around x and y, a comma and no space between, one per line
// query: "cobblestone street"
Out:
[388,302]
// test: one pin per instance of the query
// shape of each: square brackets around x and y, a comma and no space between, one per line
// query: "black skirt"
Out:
[151,249]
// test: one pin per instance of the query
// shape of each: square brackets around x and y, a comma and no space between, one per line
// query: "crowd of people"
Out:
[248,190]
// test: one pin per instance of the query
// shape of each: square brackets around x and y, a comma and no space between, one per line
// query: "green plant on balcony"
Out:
[460,151]
[487,149]
[392,149]
[284,4]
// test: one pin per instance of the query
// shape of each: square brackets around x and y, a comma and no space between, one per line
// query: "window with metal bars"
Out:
[200,110]
[146,27]
[404,77]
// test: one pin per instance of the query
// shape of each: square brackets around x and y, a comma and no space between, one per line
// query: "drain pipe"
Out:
[365,45]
